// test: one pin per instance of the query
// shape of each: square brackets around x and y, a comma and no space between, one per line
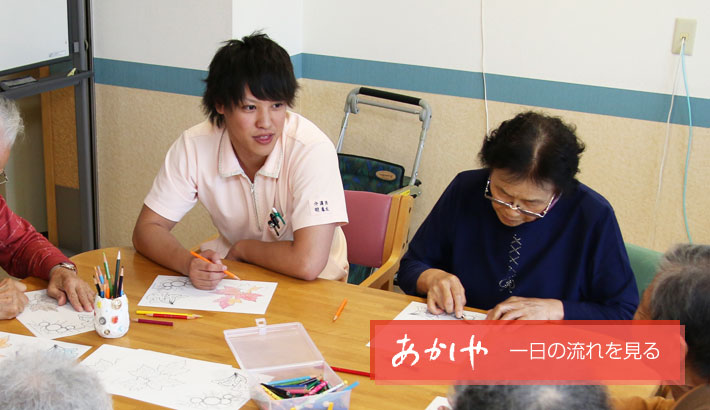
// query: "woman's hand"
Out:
[12,298]
[516,307]
[65,286]
[444,292]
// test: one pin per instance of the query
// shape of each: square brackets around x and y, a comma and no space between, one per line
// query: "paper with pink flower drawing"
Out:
[236,296]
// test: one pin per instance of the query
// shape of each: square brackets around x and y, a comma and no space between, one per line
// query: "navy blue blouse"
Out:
[575,253]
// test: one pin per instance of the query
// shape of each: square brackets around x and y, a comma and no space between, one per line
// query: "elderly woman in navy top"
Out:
[522,237]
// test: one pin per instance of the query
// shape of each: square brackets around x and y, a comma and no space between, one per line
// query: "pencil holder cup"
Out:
[111,318]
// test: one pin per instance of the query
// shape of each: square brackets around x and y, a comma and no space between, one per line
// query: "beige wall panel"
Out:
[135,128]
[622,159]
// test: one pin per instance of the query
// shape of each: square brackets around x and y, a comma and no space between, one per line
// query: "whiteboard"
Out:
[32,32]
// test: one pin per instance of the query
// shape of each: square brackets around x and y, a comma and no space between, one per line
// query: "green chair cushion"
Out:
[644,263]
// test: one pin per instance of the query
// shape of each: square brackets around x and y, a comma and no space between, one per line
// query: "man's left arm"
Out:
[305,257]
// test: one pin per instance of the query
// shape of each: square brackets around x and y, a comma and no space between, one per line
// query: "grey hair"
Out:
[44,381]
[682,292]
[530,397]
[10,122]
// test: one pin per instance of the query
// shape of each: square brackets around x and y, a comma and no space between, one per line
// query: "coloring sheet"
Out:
[167,380]
[11,343]
[236,296]
[418,311]
[439,402]
[44,318]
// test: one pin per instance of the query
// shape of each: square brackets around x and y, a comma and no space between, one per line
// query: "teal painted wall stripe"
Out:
[539,93]
[160,78]
[149,76]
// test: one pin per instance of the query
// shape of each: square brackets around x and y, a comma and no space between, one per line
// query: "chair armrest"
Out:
[383,278]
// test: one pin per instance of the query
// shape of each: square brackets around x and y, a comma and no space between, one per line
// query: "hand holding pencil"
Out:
[206,270]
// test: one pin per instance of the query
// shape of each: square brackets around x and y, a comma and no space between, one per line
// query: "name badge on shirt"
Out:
[320,207]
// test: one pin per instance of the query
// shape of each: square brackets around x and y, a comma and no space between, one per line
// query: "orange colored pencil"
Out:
[340,309]
[226,272]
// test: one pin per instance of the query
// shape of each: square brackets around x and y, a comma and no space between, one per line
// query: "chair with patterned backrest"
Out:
[377,233]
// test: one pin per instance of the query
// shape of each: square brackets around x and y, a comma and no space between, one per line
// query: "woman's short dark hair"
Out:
[255,61]
[535,147]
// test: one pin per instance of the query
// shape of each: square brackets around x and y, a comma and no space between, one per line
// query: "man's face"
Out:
[254,126]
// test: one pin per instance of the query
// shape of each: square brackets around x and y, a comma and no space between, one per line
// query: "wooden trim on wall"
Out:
[48,141]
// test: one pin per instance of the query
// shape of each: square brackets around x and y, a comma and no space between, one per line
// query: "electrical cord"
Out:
[665,148]
[483,70]
[690,141]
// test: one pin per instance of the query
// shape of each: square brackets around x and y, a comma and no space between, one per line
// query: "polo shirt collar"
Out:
[228,163]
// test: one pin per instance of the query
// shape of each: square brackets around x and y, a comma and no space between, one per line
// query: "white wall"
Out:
[282,20]
[176,33]
[611,43]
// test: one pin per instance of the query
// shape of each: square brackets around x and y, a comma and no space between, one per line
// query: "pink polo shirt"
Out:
[300,179]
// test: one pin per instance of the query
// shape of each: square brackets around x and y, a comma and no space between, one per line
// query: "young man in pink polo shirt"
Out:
[268,177]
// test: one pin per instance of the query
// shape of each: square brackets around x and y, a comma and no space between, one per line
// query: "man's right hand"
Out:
[444,292]
[12,298]
[205,275]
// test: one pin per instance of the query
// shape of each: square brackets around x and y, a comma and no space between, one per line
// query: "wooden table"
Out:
[342,343]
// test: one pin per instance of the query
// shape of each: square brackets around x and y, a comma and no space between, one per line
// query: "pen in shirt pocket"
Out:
[276,222]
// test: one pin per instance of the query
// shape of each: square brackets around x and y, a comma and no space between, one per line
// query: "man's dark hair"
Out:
[530,397]
[682,293]
[256,62]
[535,147]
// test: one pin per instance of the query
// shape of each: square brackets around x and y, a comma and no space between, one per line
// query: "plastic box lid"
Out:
[266,346]
[283,351]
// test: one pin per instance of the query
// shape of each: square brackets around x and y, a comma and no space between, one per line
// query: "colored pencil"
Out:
[271,394]
[153,322]
[98,283]
[226,272]
[295,380]
[335,388]
[98,289]
[279,392]
[108,272]
[352,386]
[340,309]
[171,316]
[146,312]
[115,275]
[318,388]
[351,371]
[119,291]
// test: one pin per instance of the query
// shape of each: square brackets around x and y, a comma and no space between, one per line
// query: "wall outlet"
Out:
[684,28]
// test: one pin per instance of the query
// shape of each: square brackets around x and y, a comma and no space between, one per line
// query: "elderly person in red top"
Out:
[23,251]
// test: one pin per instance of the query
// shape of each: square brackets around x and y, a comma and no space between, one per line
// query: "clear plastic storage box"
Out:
[283,351]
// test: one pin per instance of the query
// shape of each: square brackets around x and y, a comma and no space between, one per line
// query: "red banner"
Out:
[527,352]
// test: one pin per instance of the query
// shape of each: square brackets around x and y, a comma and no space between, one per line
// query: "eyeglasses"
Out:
[487,195]
[3,177]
